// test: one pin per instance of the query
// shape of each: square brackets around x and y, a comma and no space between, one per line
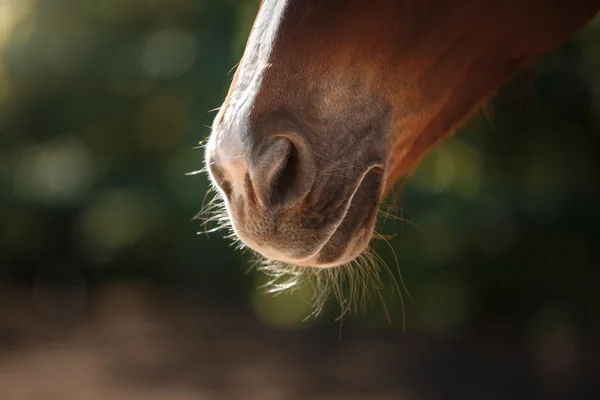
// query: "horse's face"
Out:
[333,100]
[298,150]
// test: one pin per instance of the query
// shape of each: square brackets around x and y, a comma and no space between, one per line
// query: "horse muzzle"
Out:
[285,204]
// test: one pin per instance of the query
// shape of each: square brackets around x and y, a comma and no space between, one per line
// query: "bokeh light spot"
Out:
[455,166]
[117,219]
[12,13]
[169,53]
[57,172]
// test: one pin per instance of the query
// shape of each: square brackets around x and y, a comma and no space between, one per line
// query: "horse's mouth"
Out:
[355,230]
[281,241]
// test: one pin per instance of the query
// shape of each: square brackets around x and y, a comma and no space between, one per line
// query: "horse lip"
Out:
[312,260]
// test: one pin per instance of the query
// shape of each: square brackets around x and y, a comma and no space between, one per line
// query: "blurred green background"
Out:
[102,103]
[107,290]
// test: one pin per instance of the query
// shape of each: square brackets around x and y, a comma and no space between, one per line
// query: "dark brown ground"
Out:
[130,342]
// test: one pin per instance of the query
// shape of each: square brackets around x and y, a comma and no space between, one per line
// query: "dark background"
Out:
[105,285]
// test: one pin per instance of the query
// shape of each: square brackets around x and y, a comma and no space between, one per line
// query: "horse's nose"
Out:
[281,171]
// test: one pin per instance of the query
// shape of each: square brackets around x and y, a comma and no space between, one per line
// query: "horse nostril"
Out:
[280,173]
[285,177]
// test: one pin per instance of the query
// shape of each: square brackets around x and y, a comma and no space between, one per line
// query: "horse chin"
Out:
[356,246]
[353,234]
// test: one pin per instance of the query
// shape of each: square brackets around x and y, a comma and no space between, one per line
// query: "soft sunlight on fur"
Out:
[353,286]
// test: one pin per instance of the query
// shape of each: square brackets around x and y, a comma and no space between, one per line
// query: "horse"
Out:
[334,101]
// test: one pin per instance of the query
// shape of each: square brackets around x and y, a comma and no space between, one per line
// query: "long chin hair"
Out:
[353,286]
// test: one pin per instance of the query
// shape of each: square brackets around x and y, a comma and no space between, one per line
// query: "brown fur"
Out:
[354,93]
